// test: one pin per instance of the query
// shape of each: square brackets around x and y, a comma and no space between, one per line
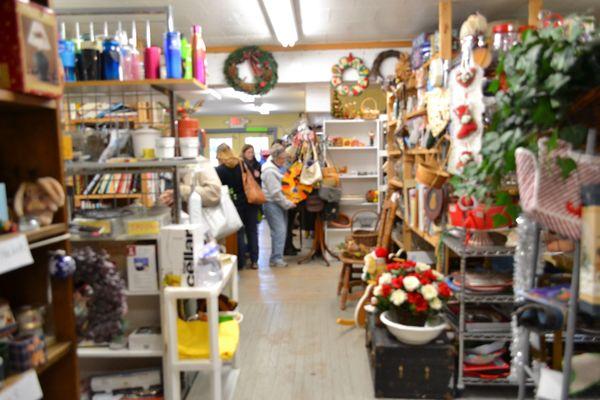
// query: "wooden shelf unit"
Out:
[33,149]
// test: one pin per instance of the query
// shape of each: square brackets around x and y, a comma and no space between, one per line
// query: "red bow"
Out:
[254,62]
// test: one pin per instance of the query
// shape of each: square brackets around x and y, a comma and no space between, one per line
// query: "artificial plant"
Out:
[537,82]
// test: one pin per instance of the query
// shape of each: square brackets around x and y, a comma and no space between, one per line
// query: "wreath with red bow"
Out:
[264,69]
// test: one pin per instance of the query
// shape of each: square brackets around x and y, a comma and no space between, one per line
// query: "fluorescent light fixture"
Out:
[283,20]
[266,108]
[243,97]
[314,17]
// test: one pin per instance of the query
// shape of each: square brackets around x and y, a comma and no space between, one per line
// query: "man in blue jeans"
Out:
[275,209]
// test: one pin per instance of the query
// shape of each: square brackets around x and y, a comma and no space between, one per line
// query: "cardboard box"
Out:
[179,248]
[29,49]
[146,338]
[142,275]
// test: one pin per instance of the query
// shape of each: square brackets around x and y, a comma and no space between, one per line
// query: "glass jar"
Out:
[505,36]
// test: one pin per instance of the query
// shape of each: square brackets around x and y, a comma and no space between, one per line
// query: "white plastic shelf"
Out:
[106,352]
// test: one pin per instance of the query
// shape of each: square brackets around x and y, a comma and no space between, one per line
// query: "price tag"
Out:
[139,228]
[14,253]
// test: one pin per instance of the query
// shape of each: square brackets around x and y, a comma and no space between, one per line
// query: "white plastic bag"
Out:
[222,220]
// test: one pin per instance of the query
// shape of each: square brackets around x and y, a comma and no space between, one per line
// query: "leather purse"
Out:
[330,194]
[254,193]
[314,203]
[331,177]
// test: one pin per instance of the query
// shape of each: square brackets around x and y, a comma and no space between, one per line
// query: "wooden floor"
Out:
[291,347]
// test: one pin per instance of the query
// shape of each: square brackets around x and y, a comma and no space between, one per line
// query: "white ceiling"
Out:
[282,99]
[241,22]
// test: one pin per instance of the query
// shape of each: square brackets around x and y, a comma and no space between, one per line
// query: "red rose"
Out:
[386,290]
[444,290]
[397,283]
[424,279]
[413,297]
[421,304]
[381,252]
[392,267]
[409,264]
[262,84]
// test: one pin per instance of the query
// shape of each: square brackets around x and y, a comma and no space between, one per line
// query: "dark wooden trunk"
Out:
[404,371]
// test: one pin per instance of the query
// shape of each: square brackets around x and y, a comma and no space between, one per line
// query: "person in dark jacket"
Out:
[230,173]
[249,158]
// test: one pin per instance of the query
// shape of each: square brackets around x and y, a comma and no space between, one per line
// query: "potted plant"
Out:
[411,296]
[538,82]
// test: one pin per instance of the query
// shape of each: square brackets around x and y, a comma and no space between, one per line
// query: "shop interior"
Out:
[297,199]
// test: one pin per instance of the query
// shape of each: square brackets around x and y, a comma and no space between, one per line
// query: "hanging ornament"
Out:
[467,122]
[465,158]
[466,77]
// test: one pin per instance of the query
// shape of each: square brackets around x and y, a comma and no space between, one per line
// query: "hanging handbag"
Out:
[291,187]
[254,193]
[330,194]
[223,219]
[314,203]
[331,178]
[311,174]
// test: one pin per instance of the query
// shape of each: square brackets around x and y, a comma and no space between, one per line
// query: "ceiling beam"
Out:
[319,46]
[534,10]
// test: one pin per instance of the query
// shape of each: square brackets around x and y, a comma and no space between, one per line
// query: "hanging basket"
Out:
[364,236]
[431,176]
[550,199]
[368,109]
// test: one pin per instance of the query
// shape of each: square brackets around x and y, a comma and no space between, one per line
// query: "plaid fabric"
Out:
[27,352]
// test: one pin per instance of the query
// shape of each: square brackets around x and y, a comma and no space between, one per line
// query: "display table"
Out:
[214,365]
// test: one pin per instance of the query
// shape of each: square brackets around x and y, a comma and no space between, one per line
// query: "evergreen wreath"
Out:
[264,69]
[345,63]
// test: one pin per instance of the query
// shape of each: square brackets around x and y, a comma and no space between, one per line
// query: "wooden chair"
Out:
[350,274]
[349,279]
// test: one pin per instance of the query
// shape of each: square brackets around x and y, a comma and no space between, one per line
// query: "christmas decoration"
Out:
[345,63]
[264,70]
[61,265]
[100,302]
[467,123]
[523,276]
[376,69]
[465,78]
[337,110]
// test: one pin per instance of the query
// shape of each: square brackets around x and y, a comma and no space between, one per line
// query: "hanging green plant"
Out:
[539,79]
[263,65]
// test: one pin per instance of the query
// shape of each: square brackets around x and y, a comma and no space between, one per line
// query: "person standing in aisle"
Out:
[277,204]
[230,173]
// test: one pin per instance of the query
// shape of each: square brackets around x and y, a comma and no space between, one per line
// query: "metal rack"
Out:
[463,251]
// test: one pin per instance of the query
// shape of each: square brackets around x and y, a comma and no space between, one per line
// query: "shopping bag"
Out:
[222,220]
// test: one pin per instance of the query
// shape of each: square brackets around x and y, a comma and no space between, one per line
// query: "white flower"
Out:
[374,300]
[422,267]
[385,278]
[435,304]
[370,264]
[439,277]
[411,283]
[398,297]
[377,291]
[429,292]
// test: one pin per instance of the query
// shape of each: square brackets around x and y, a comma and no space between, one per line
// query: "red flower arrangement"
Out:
[412,291]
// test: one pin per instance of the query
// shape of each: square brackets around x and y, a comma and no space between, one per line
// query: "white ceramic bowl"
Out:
[414,335]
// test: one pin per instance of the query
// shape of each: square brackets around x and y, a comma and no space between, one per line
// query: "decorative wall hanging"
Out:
[264,70]
[438,110]
[337,75]
[376,69]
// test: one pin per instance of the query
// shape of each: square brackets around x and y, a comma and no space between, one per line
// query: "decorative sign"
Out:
[237,122]
[14,253]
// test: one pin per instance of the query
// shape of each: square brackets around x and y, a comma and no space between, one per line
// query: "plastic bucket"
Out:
[188,147]
[144,138]
[165,147]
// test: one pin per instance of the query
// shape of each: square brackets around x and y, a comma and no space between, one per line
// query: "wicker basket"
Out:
[368,109]
[364,236]
[431,176]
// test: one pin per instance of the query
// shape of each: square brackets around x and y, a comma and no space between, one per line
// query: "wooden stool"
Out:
[348,280]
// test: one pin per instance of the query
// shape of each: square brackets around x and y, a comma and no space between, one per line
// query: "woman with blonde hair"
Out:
[230,173]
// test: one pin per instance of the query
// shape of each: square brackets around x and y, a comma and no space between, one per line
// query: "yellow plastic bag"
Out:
[193,339]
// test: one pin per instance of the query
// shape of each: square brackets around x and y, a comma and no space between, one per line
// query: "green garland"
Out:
[264,69]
